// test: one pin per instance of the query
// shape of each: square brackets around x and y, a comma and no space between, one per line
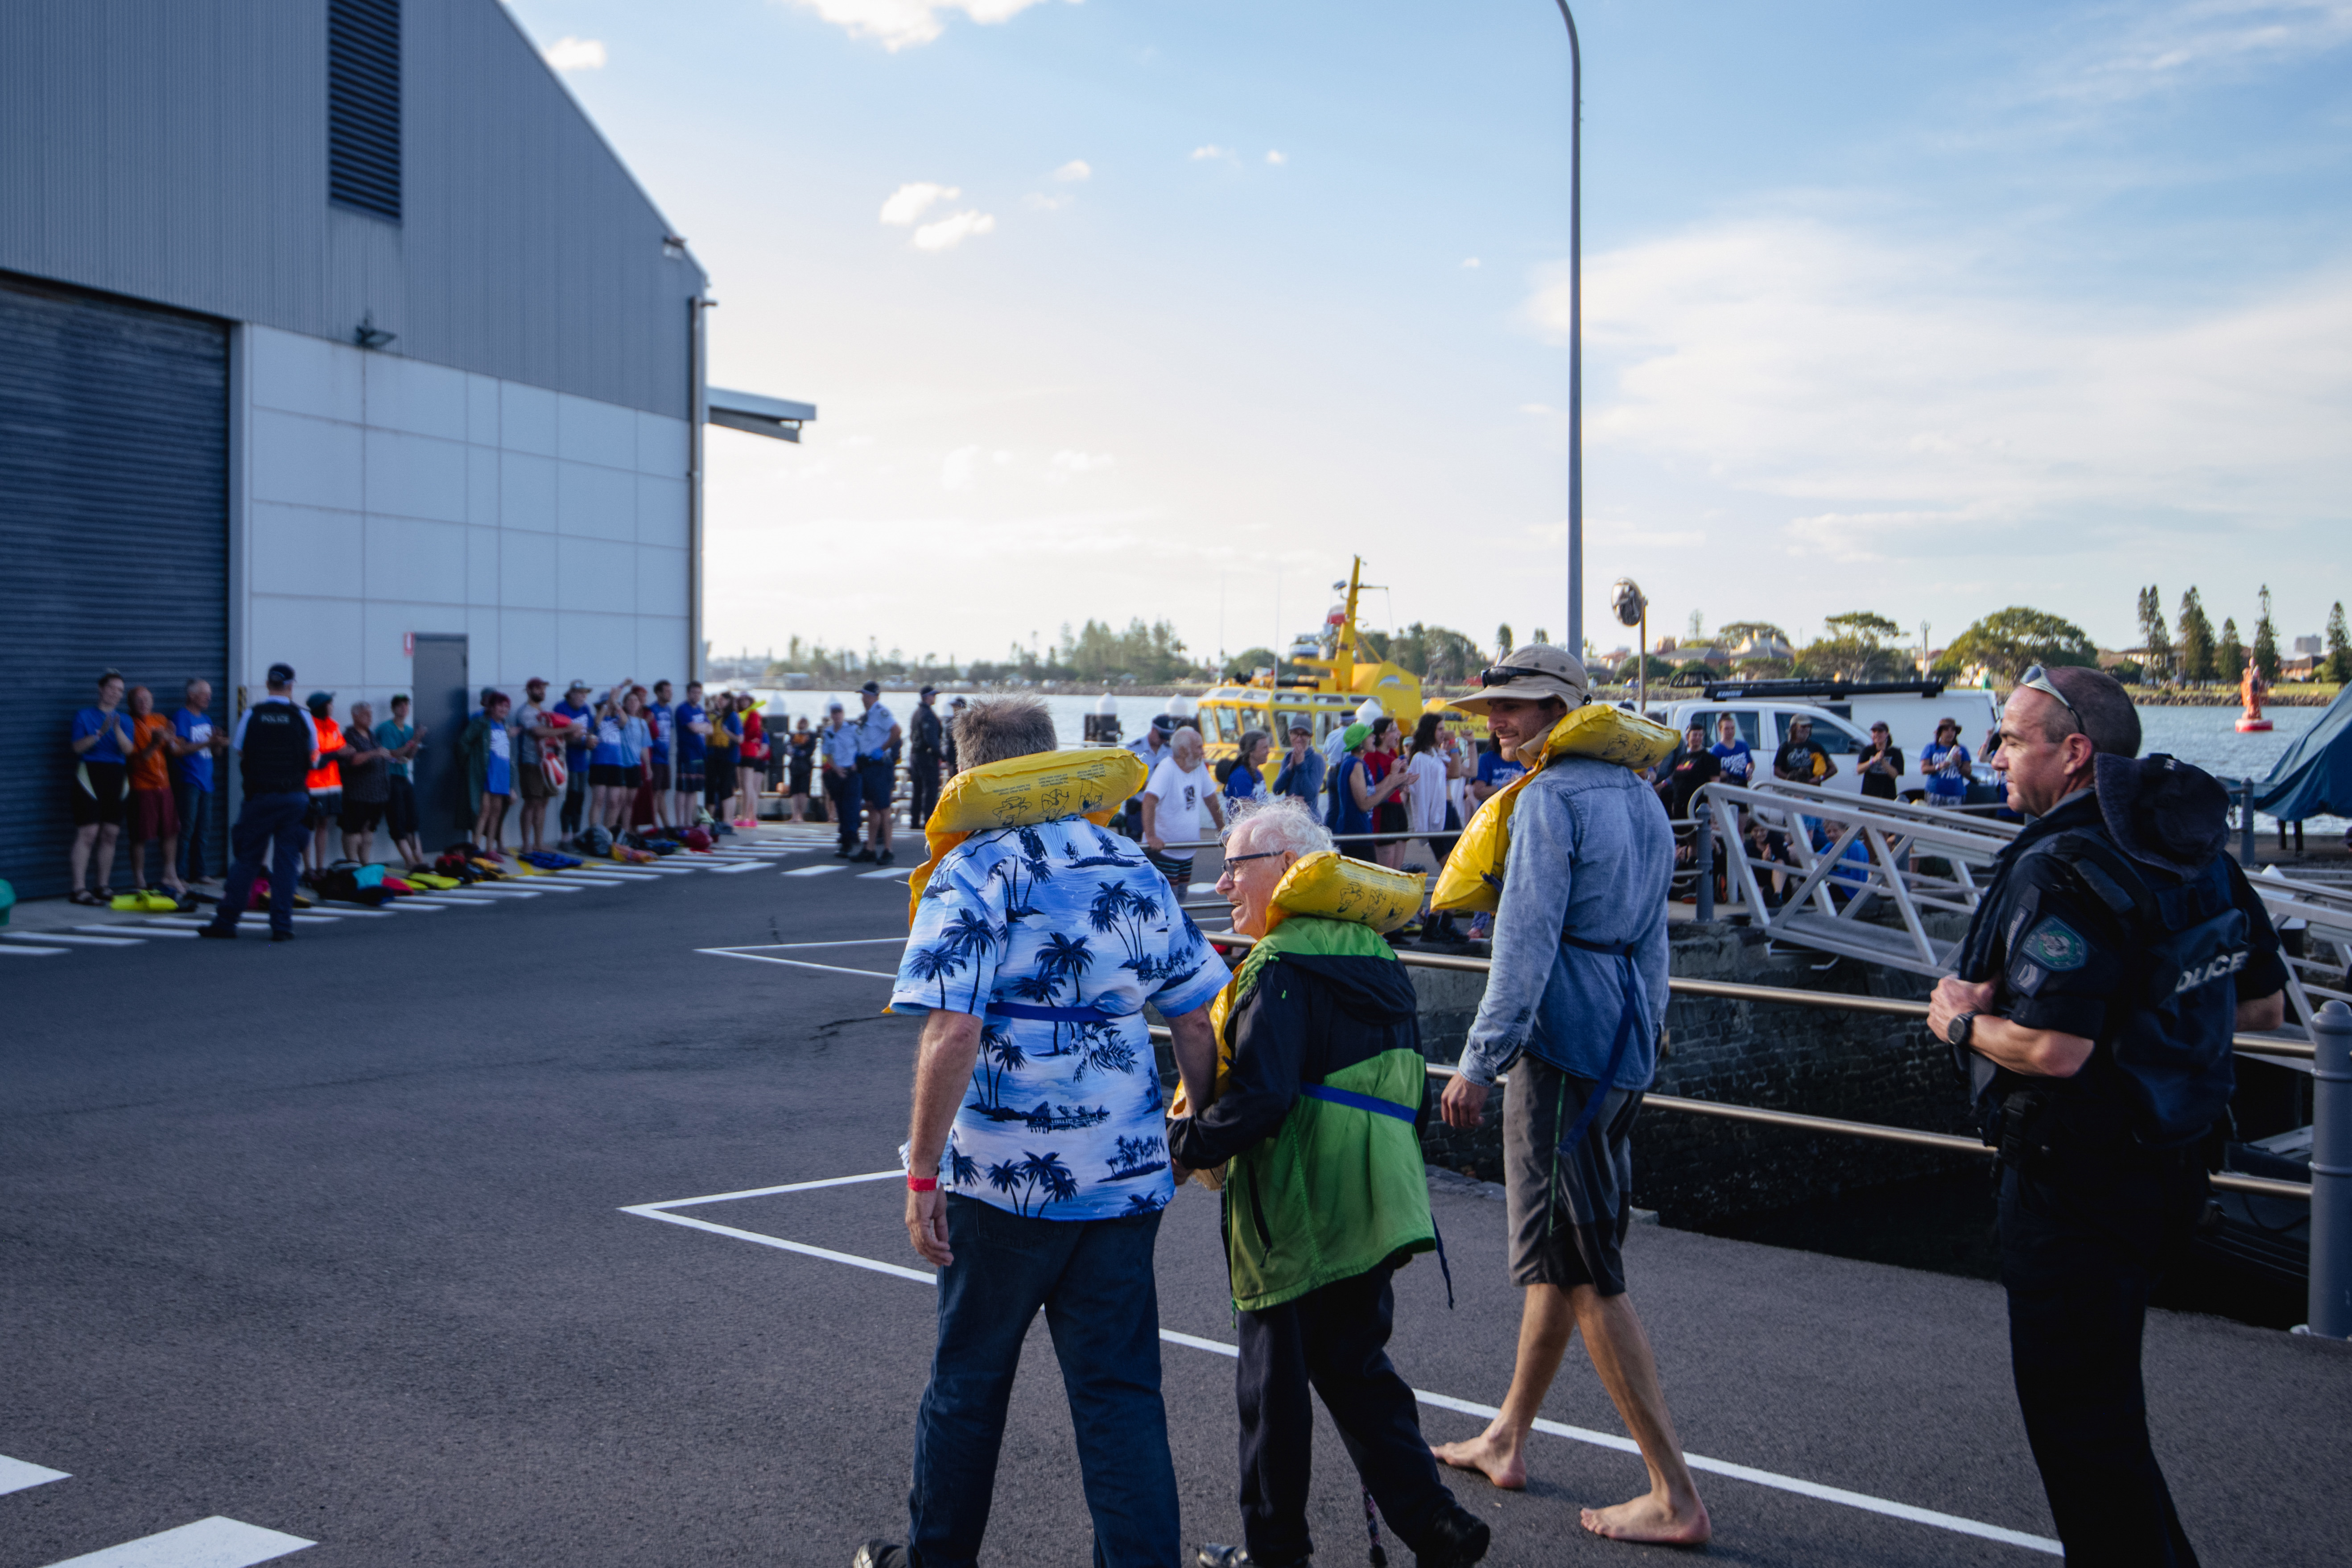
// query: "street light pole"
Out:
[1575,336]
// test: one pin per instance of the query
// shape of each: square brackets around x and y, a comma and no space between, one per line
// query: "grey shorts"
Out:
[1568,1212]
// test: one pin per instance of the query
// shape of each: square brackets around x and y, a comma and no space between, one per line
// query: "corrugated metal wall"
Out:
[114,503]
[178,153]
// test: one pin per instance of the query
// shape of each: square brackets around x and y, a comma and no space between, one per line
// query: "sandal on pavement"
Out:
[84,897]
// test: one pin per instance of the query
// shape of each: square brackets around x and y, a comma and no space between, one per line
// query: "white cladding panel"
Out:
[383,497]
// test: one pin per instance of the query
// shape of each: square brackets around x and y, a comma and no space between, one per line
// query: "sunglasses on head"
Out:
[1504,673]
[2038,678]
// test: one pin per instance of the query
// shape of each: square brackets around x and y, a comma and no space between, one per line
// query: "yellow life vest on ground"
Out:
[1021,792]
[1471,877]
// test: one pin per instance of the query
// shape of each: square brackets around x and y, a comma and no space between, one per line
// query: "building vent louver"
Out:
[363,105]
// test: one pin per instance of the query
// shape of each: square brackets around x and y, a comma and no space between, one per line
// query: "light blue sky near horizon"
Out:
[1924,310]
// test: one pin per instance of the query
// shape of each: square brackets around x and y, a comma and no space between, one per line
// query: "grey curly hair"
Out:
[1284,822]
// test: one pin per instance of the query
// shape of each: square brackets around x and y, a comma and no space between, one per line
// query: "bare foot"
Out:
[1652,1520]
[1489,1456]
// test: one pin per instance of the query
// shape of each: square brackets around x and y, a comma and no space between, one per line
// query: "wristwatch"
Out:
[1957,1035]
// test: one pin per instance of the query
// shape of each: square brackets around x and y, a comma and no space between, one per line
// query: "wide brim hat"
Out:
[1532,674]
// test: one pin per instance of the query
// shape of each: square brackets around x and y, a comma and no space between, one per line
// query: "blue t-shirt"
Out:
[1739,763]
[1947,768]
[577,737]
[105,726]
[1494,771]
[659,718]
[610,743]
[690,746]
[392,734]
[635,741]
[499,776]
[196,767]
[1057,935]
[1353,819]
[1245,782]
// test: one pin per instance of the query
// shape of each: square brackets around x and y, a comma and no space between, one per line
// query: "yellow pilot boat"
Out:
[1328,679]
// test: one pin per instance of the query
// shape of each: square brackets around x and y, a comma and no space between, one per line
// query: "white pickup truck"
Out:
[1841,718]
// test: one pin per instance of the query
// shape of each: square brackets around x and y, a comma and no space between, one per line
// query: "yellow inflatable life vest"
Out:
[1021,792]
[1472,876]
[1329,886]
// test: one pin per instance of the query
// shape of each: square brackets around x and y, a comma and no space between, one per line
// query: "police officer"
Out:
[2114,953]
[276,746]
[923,757]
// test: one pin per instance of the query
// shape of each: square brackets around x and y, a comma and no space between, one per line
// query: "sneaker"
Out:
[281,936]
[1458,1540]
[863,858]
[840,852]
[217,933]
[885,859]
[880,1554]
[1215,1556]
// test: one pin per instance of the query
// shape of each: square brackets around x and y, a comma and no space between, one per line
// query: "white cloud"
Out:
[576,54]
[1077,169]
[1273,157]
[956,469]
[2131,53]
[1790,359]
[950,232]
[909,203]
[1037,201]
[1211,150]
[900,24]
[1082,462]
[1469,264]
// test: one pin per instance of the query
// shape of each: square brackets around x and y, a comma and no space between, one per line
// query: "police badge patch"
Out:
[2055,945]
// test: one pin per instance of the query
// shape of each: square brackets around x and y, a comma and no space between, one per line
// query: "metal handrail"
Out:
[1775,996]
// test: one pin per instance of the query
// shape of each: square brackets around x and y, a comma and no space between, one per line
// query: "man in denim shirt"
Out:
[1573,1007]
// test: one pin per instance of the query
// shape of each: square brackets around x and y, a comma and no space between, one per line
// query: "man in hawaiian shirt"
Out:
[1037,1160]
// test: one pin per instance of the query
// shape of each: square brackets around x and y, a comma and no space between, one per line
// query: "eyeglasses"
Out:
[2038,678]
[1232,860]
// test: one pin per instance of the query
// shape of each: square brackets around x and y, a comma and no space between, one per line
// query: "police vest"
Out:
[2169,1028]
[276,757]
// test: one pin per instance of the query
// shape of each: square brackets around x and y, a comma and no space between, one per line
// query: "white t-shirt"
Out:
[1183,800]
[1425,806]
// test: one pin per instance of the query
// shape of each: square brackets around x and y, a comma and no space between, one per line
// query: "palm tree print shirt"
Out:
[1056,935]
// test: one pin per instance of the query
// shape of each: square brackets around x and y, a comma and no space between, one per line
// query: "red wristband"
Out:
[922,1183]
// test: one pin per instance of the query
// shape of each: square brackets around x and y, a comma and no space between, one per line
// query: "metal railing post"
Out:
[2331,1173]
[2246,825]
[1703,859]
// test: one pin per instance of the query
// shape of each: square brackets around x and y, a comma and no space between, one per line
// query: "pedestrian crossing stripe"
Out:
[16,1475]
[814,871]
[214,1542]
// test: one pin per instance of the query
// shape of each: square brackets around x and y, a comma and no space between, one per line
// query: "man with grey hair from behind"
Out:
[1036,1156]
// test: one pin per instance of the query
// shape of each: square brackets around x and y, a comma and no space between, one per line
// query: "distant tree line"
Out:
[2189,650]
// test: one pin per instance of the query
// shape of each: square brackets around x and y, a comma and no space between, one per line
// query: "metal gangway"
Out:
[1885,866]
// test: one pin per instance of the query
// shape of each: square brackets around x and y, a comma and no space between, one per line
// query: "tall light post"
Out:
[1575,336]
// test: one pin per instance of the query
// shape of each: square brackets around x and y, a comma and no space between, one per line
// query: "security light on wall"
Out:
[368,335]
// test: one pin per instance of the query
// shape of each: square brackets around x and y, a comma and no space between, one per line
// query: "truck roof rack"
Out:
[1717,690]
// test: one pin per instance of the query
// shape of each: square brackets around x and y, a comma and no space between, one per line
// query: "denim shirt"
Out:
[1303,778]
[1592,855]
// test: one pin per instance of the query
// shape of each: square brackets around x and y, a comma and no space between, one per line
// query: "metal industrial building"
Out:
[330,331]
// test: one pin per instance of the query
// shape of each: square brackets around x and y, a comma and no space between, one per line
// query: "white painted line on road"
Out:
[70,939]
[539,885]
[796,964]
[29,952]
[892,873]
[214,1542]
[354,912]
[481,891]
[796,946]
[402,906]
[1863,1501]
[814,871]
[16,1475]
[119,928]
[739,865]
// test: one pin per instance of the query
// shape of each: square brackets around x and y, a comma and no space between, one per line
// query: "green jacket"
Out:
[1316,1191]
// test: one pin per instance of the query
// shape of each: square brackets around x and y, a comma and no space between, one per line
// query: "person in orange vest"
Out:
[325,781]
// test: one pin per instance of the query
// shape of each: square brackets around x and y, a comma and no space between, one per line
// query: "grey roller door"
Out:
[113,536]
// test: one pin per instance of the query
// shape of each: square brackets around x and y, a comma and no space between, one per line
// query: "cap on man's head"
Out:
[318,701]
[1302,725]
[1163,723]
[872,689]
[279,675]
[930,692]
[576,685]
[1799,719]
[835,708]
[959,702]
[1532,674]
[538,681]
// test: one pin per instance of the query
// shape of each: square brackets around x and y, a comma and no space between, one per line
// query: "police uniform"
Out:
[2115,918]
[923,766]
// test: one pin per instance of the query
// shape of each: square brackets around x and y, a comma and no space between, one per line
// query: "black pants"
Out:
[842,790]
[1334,1339]
[2081,1247]
[569,815]
[922,790]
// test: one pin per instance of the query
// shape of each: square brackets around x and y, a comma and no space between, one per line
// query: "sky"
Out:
[1166,308]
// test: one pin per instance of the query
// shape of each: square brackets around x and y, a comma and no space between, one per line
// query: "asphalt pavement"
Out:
[335,1240]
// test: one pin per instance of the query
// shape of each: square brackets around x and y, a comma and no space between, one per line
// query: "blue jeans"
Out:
[193,808]
[1094,1279]
[268,822]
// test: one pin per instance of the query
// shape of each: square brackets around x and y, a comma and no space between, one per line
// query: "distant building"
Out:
[2312,646]
[334,333]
